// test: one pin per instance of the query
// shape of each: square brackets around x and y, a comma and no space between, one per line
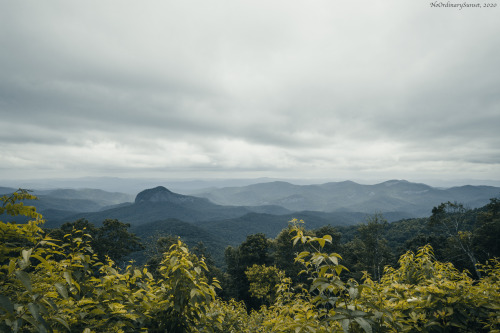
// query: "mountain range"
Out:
[339,203]
[414,199]
[225,216]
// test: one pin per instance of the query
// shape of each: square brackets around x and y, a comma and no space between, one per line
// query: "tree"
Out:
[114,240]
[438,243]
[284,255]
[486,234]
[155,250]
[111,240]
[255,250]
[185,292]
[13,236]
[263,282]
[456,222]
[369,250]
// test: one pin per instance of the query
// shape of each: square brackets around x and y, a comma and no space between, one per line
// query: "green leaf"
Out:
[67,276]
[364,324]
[51,303]
[42,328]
[25,279]
[30,320]
[338,316]
[35,311]
[345,325]
[6,304]
[62,322]
[61,289]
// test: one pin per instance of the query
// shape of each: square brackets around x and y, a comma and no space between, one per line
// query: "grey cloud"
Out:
[248,86]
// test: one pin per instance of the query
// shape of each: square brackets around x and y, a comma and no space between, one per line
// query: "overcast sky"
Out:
[228,88]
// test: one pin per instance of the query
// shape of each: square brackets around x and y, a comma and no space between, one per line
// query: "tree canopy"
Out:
[112,239]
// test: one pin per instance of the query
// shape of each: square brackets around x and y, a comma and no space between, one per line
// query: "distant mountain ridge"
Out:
[396,197]
[58,204]
[99,198]
[393,195]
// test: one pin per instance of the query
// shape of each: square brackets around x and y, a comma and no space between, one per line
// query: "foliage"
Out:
[486,240]
[332,302]
[263,281]
[425,295]
[112,239]
[255,250]
[62,286]
[183,293]
[42,294]
[455,222]
[155,253]
[369,250]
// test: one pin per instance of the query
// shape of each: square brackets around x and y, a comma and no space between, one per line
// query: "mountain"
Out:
[159,210]
[394,198]
[100,197]
[130,186]
[159,203]
[395,195]
[59,204]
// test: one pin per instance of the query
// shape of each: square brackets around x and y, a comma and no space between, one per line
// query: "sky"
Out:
[390,89]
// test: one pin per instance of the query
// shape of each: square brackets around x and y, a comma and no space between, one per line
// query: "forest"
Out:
[436,274]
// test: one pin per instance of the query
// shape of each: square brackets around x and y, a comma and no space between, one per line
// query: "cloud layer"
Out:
[194,89]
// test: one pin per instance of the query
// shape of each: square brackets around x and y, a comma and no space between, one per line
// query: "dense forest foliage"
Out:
[425,275]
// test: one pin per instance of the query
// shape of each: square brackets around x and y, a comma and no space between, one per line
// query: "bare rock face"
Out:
[161,194]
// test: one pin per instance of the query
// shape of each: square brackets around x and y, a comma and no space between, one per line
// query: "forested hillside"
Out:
[435,274]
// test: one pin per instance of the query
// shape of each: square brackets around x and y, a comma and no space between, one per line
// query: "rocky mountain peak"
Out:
[162,194]
[156,194]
